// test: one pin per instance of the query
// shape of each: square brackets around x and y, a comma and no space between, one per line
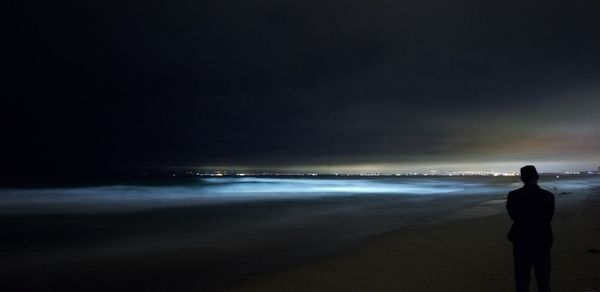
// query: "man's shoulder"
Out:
[525,190]
[546,193]
[517,191]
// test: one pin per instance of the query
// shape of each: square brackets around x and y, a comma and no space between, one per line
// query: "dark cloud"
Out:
[148,83]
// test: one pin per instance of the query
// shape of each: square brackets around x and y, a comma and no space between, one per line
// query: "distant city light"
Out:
[370,173]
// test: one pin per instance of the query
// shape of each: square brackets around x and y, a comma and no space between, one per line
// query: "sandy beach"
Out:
[458,255]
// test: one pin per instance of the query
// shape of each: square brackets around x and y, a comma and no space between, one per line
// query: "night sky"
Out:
[324,85]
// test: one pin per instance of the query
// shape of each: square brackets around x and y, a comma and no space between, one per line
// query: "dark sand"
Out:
[459,255]
[208,248]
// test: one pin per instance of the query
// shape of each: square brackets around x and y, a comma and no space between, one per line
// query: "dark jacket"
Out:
[531,208]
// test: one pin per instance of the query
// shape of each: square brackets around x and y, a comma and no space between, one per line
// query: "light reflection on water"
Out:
[229,190]
[305,186]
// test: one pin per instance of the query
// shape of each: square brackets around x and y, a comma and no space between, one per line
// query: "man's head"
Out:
[529,175]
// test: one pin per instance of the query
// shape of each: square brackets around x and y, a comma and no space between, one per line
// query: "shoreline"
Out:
[469,254]
[71,250]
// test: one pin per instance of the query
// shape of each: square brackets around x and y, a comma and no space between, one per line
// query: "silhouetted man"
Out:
[531,208]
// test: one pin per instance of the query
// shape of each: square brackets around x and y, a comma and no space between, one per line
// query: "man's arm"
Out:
[511,208]
[550,208]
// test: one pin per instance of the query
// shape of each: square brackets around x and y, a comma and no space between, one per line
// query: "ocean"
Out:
[211,233]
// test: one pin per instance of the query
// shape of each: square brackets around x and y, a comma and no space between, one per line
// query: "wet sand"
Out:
[208,248]
[458,255]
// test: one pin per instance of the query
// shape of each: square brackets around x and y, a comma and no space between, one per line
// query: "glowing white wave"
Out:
[320,186]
